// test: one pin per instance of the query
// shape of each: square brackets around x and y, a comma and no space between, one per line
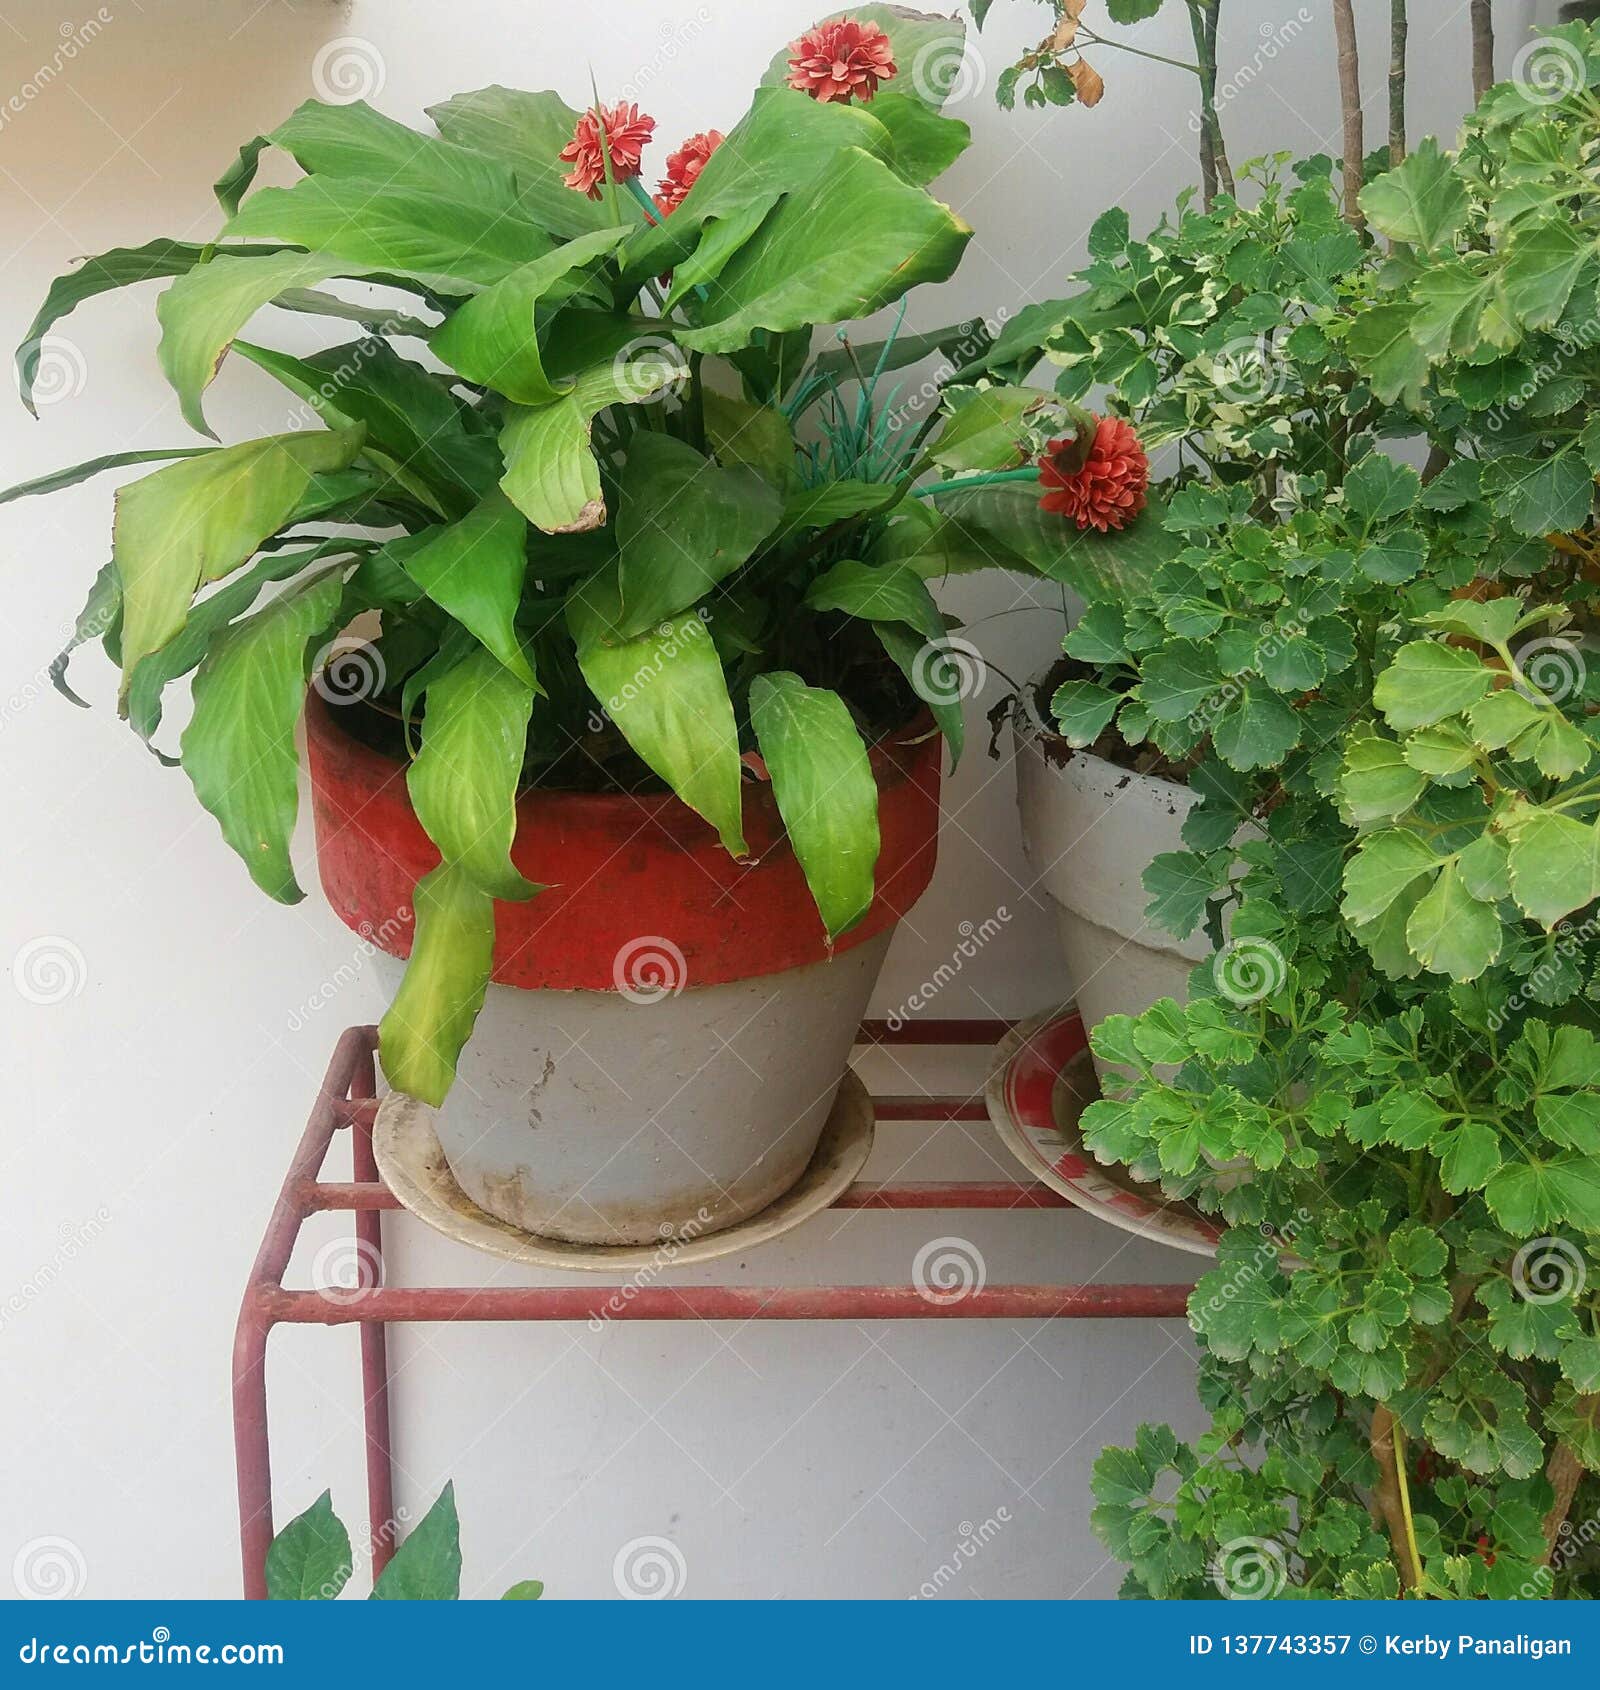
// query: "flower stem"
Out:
[999,478]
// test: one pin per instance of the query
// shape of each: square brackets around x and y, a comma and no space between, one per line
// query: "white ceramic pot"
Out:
[637,1118]
[1089,830]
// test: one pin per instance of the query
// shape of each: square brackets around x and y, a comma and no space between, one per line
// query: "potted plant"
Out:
[633,763]
[1400,1348]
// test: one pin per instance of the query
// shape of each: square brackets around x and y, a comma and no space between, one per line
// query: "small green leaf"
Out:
[1427,682]
[1083,711]
[1382,868]
[879,593]
[1420,203]
[1451,932]
[528,1590]
[310,1559]
[427,1565]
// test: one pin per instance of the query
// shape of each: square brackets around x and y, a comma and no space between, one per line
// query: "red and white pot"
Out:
[667,1027]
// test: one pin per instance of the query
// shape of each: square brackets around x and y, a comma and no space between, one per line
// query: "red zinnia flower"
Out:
[684,167]
[841,60]
[627,134]
[1100,484]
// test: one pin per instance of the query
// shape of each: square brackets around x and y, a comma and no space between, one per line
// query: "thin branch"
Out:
[1208,153]
[1387,1503]
[1397,81]
[1482,48]
[1208,67]
[1344,29]
[1565,1473]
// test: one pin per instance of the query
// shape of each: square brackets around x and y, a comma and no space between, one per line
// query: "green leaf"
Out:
[474,569]
[1381,869]
[57,479]
[491,339]
[1378,782]
[427,1565]
[891,592]
[1420,203]
[667,694]
[853,240]
[925,144]
[1554,865]
[986,429]
[1257,730]
[1543,496]
[1427,682]
[823,782]
[1378,488]
[1083,711]
[98,620]
[551,473]
[1179,680]
[1542,267]
[204,310]
[200,520]
[239,747]
[1451,932]
[1531,1196]
[1382,347]
[422,1035]
[119,268]
[684,524]
[836,501]
[759,437]
[527,1590]
[463,784]
[1468,1157]
[1181,884]
[925,45]
[310,1559]
[935,676]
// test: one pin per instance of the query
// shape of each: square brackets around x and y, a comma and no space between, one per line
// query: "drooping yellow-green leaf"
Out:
[463,784]
[668,696]
[421,1038]
[822,780]
[239,748]
[199,520]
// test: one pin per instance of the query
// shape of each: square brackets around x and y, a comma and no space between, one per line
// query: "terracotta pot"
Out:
[667,1027]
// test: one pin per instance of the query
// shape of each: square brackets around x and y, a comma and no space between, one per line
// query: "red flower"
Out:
[627,134]
[1100,484]
[684,167]
[841,60]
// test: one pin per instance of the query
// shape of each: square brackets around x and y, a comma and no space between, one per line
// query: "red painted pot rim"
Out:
[621,869]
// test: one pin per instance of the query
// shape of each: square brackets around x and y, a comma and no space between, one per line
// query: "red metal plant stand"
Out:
[348,1099]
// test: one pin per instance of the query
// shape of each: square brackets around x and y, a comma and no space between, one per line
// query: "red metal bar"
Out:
[252,1450]
[917,1106]
[730,1302]
[374,1338]
[934,1032]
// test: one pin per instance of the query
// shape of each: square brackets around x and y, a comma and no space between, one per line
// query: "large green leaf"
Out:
[683,525]
[421,1038]
[491,339]
[668,696]
[854,238]
[822,780]
[528,131]
[925,144]
[1007,522]
[310,1559]
[551,473]
[1421,203]
[463,784]
[409,413]
[474,569]
[936,675]
[927,51]
[431,236]
[202,312]
[890,592]
[1554,865]
[427,1565]
[200,520]
[57,479]
[119,268]
[239,748]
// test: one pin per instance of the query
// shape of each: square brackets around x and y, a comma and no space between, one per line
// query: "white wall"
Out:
[147,1116]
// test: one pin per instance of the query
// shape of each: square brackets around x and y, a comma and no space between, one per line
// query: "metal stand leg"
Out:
[252,1451]
[374,1343]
